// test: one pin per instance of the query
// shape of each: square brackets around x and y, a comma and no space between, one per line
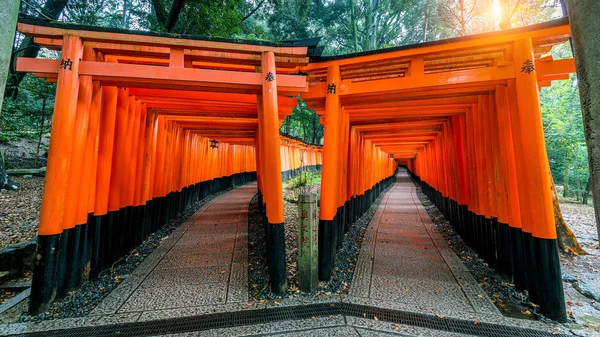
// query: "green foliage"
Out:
[209,18]
[306,178]
[303,123]
[563,131]
[23,116]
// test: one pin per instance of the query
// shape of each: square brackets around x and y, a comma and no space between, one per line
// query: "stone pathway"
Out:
[201,268]
[404,261]
[203,264]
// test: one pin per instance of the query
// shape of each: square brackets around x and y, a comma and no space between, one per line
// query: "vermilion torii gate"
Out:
[135,114]
[145,124]
[464,116]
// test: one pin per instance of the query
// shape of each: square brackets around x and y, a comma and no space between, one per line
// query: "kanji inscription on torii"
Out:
[331,88]
[528,67]
[66,63]
[308,242]
[270,77]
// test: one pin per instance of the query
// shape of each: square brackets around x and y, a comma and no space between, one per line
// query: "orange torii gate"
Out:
[464,116]
[145,125]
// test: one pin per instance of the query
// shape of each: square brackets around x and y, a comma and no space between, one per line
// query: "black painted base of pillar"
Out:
[331,232]
[325,249]
[43,284]
[550,286]
[531,263]
[519,264]
[276,257]
[66,259]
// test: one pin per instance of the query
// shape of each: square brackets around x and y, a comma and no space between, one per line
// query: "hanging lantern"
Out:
[214,143]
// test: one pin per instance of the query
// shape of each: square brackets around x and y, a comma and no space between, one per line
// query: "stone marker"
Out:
[308,242]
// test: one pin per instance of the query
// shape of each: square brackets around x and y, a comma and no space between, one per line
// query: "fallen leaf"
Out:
[476,322]
[396,328]
[313,318]
[375,318]
[278,303]
[440,316]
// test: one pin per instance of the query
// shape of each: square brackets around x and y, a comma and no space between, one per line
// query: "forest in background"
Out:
[344,26]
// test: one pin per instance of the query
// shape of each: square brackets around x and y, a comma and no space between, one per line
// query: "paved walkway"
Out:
[201,268]
[204,263]
[404,261]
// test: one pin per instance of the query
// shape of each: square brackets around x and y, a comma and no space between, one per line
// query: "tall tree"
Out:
[8,15]
[51,11]
[164,18]
[583,17]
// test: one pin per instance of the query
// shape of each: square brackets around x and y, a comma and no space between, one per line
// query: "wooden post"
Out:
[308,238]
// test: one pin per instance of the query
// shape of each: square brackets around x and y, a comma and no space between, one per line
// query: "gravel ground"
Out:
[345,259]
[20,211]
[82,301]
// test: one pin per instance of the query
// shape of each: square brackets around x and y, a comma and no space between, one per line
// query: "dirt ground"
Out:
[21,154]
[581,273]
[20,211]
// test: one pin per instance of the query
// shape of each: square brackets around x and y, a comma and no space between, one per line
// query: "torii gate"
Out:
[464,116]
[146,123]
[429,106]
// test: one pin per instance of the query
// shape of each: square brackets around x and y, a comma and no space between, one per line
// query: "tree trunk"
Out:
[566,181]
[8,16]
[374,23]
[169,20]
[368,26]
[567,242]
[354,28]
[37,150]
[583,18]
[52,10]
[5,182]
[426,21]
[586,193]
[287,124]
[463,22]
[506,14]
[315,124]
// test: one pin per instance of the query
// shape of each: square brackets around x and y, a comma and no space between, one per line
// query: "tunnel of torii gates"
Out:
[146,124]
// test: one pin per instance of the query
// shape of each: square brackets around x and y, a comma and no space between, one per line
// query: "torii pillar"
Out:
[270,157]
[331,172]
